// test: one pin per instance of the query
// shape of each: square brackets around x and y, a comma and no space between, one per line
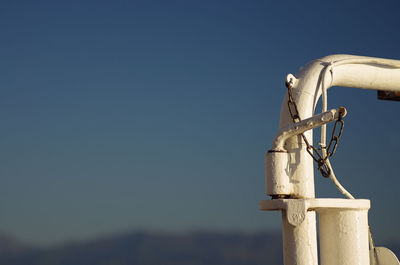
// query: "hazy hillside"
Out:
[9,245]
[140,248]
[156,249]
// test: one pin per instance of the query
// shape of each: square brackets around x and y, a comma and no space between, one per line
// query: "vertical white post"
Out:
[299,242]
[343,236]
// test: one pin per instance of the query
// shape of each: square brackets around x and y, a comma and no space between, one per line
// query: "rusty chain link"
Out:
[315,152]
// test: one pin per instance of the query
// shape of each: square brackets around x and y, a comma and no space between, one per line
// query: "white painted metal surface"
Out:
[343,229]
[343,236]
[336,70]
[278,162]
[305,125]
[289,168]
[383,256]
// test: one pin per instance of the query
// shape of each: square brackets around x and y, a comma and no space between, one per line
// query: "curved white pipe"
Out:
[333,70]
[290,172]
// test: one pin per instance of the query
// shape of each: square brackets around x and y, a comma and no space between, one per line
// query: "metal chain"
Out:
[314,152]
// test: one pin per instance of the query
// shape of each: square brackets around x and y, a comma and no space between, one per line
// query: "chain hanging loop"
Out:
[331,149]
[322,165]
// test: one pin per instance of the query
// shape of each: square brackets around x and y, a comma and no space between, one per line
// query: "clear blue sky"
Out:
[123,115]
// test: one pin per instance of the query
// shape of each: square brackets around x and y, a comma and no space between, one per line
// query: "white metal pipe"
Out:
[278,162]
[343,236]
[305,125]
[345,70]
[367,77]
[343,227]
[299,241]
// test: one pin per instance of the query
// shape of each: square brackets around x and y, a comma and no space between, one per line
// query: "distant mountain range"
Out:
[143,248]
